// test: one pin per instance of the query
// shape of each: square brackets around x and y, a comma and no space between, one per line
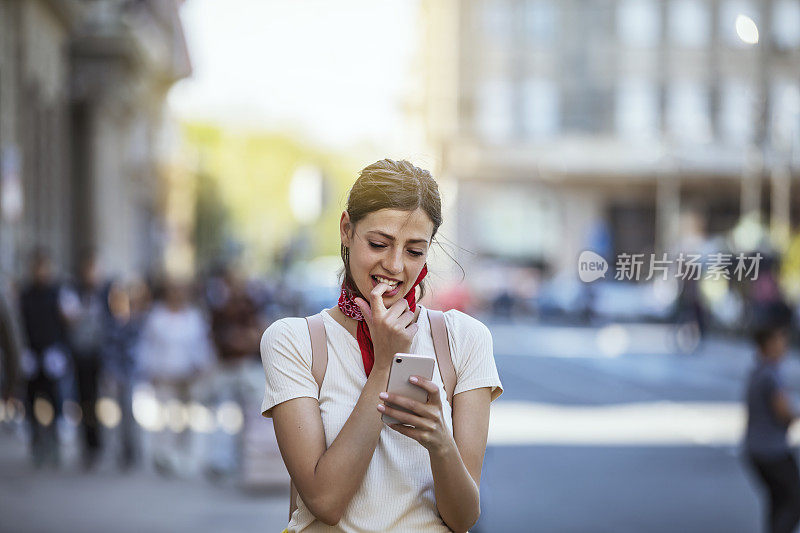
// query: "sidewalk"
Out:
[104,500]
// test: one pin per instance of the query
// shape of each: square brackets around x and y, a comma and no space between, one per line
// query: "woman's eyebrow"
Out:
[391,238]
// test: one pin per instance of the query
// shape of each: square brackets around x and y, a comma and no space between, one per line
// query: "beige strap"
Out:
[319,364]
[319,348]
[441,346]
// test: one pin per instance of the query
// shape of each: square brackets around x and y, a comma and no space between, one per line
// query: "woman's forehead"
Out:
[401,224]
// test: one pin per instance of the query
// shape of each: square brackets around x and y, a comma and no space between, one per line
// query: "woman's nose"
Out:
[394,263]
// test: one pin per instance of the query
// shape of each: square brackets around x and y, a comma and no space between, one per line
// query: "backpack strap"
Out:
[319,347]
[444,358]
[319,364]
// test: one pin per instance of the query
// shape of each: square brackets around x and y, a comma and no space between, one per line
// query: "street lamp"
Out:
[306,190]
[746,29]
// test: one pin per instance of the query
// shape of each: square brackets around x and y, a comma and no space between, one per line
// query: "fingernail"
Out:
[383,396]
[381,407]
[413,379]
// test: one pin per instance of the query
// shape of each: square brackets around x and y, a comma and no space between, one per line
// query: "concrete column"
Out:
[780,206]
[750,204]
[668,206]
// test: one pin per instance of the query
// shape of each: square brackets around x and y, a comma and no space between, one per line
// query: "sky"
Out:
[333,72]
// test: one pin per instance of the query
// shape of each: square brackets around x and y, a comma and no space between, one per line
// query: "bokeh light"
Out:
[746,29]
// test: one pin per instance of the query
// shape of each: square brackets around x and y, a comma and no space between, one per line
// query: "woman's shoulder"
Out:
[287,327]
[287,337]
[465,326]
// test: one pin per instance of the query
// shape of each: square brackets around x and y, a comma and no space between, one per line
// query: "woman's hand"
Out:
[392,329]
[427,419]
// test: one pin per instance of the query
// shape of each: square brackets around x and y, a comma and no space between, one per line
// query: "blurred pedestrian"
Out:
[236,331]
[45,365]
[769,414]
[85,306]
[175,350]
[691,311]
[234,320]
[766,299]
[128,304]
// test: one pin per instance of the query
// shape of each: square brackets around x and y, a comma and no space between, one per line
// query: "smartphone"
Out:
[405,365]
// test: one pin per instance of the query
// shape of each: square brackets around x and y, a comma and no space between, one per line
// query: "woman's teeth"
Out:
[389,282]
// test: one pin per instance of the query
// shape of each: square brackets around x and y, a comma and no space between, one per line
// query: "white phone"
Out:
[405,365]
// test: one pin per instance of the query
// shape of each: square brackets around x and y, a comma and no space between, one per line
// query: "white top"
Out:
[397,491]
[174,344]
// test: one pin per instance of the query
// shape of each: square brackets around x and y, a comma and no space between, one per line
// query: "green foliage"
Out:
[243,192]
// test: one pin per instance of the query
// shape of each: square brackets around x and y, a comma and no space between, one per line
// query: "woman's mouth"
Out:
[394,285]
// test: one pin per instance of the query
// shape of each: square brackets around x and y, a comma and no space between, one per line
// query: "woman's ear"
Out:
[345,228]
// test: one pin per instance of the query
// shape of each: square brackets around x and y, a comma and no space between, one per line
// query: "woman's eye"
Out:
[415,253]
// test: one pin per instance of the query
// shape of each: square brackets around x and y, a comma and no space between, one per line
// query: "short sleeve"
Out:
[771,383]
[473,354]
[286,356]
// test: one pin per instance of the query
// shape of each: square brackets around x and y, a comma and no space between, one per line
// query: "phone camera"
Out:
[399,360]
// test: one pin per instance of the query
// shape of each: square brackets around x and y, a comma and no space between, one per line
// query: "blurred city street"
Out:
[630,471]
[613,189]
[662,457]
[70,500]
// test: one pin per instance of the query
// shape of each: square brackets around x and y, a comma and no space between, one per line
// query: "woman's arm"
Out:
[456,461]
[328,479]
[458,496]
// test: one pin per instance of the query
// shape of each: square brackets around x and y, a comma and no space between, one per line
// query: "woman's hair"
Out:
[388,184]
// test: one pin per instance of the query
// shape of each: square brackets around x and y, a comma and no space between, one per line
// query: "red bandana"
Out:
[348,306]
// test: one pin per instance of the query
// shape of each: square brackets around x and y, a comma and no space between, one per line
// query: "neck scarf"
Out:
[348,306]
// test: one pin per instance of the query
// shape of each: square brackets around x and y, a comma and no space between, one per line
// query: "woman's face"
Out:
[390,244]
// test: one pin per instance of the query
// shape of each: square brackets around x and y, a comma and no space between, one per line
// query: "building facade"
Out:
[82,87]
[599,124]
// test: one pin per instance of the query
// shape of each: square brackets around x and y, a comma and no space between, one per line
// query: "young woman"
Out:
[353,472]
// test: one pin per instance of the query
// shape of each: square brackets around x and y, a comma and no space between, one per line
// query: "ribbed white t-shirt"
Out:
[397,491]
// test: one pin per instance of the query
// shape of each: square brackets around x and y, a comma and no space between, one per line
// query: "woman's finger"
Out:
[430,387]
[411,433]
[414,406]
[366,312]
[407,418]
[406,318]
[376,304]
[397,309]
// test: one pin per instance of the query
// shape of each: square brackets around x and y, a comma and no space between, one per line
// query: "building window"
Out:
[729,12]
[496,22]
[540,108]
[637,108]
[689,23]
[737,112]
[638,23]
[785,97]
[786,23]
[494,110]
[540,19]
[517,222]
[688,112]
